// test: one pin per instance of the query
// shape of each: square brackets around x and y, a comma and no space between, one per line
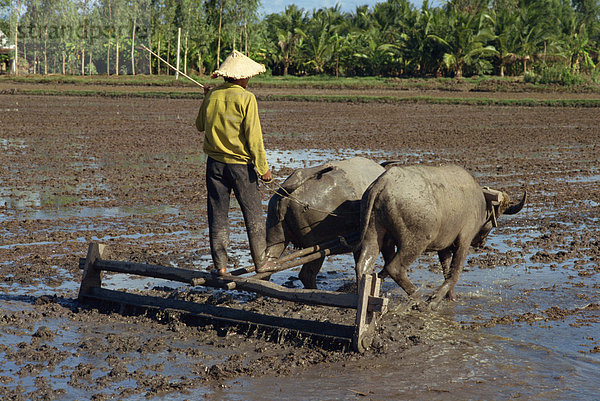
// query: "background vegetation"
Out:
[543,40]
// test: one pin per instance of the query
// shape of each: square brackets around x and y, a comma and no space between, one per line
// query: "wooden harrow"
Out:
[368,303]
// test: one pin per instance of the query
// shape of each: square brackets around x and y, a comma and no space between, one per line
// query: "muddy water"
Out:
[535,358]
[525,325]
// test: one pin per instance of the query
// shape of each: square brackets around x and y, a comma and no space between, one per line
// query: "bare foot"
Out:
[267,267]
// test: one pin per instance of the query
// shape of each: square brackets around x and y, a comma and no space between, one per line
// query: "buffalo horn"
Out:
[516,208]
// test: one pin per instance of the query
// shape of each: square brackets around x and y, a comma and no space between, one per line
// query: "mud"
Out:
[128,172]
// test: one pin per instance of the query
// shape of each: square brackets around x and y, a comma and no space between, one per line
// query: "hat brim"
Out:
[238,66]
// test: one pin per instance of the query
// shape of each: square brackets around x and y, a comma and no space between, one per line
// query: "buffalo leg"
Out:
[309,271]
[456,267]
[369,250]
[445,259]
[387,251]
[398,267]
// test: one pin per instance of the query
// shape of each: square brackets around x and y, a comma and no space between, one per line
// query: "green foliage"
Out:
[559,74]
[167,87]
[391,39]
[4,16]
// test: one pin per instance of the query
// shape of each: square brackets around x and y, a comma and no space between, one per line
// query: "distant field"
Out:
[469,91]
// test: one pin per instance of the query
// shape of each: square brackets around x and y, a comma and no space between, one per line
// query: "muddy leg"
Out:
[219,194]
[445,259]
[245,187]
[397,269]
[387,251]
[309,271]
[369,250]
[456,267]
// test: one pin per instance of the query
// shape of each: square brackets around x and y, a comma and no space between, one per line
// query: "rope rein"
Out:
[281,191]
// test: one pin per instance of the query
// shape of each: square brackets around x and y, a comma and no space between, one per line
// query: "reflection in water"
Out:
[301,158]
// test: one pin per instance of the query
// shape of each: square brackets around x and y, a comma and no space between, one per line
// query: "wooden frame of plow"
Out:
[368,303]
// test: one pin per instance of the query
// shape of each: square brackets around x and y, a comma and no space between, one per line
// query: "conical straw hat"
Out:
[238,66]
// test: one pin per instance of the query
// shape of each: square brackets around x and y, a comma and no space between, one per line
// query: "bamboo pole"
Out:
[164,61]
[178,51]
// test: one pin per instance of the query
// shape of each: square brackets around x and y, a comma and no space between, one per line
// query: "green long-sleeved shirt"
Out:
[229,117]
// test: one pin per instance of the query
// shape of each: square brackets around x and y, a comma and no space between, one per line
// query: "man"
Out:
[234,145]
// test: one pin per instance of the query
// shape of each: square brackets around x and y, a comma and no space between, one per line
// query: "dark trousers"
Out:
[221,179]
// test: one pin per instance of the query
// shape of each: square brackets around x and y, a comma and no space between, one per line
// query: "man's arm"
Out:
[254,137]
[201,118]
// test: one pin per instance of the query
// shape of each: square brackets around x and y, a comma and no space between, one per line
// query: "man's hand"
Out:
[207,89]
[267,177]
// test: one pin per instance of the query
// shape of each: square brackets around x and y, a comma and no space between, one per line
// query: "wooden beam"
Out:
[492,195]
[369,304]
[294,263]
[92,277]
[306,255]
[306,296]
[377,304]
[253,284]
[225,314]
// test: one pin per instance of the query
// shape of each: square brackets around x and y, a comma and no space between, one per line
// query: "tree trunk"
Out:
[64,64]
[108,58]
[178,52]
[46,51]
[108,47]
[16,59]
[158,52]
[185,55]
[83,48]
[117,59]
[200,62]
[459,70]
[133,48]
[219,40]
[149,55]
[90,63]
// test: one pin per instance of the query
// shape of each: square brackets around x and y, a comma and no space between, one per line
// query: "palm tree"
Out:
[424,51]
[321,37]
[532,28]
[287,30]
[466,42]
[506,40]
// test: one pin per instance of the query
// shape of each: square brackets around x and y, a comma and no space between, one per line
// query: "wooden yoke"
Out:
[92,277]
[370,304]
[493,198]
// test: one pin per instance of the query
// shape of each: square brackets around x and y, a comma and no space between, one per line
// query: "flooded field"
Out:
[129,173]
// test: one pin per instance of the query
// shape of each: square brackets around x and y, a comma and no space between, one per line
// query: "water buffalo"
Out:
[421,208]
[318,204]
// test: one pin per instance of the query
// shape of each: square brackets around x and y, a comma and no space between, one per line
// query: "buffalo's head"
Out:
[497,204]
